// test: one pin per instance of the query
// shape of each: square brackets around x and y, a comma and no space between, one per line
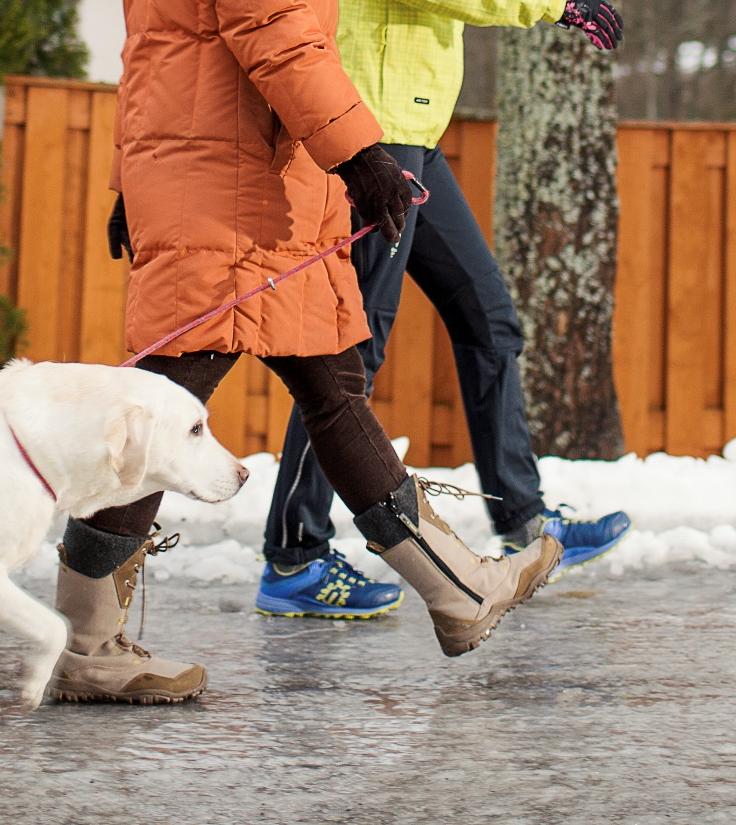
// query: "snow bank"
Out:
[684,510]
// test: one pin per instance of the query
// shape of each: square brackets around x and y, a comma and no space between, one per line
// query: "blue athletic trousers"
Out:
[443,250]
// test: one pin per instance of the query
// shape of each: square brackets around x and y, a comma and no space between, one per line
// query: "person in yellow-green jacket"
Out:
[406,59]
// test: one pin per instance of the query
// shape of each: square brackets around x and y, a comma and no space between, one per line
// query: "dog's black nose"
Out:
[243,474]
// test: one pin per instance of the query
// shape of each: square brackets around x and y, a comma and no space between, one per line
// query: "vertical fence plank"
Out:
[256,422]
[74,225]
[635,341]
[713,296]
[229,408]
[690,303]
[11,183]
[658,258]
[477,171]
[41,242]
[104,280]
[729,378]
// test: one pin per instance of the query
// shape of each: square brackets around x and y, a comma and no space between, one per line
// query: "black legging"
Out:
[351,446]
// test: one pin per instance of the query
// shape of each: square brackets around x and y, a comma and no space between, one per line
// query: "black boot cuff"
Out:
[379,523]
[94,553]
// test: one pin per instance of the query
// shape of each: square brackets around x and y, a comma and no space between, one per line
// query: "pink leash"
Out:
[271,282]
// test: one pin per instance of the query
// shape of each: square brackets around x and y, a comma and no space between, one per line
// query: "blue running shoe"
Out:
[328,587]
[583,540]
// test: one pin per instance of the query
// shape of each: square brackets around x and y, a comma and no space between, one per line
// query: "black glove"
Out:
[117,231]
[377,189]
[600,22]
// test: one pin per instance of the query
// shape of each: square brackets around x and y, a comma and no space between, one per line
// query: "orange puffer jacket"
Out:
[229,113]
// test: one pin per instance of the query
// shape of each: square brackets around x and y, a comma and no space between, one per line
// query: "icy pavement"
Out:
[606,699]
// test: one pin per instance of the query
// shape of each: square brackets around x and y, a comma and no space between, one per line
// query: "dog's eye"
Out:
[196,429]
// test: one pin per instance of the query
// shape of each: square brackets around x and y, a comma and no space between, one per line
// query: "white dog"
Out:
[81,438]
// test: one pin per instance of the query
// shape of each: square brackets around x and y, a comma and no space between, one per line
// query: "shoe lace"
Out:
[336,559]
[152,549]
[558,513]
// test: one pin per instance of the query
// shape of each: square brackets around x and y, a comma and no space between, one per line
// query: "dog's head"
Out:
[161,440]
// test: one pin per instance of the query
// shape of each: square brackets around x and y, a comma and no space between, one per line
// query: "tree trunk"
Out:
[556,216]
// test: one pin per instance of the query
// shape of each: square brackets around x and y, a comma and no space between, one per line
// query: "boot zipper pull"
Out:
[393,506]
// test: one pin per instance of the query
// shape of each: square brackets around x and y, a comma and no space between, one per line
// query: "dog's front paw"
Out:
[32,695]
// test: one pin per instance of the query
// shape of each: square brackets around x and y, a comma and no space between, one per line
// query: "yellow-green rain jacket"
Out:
[406,56]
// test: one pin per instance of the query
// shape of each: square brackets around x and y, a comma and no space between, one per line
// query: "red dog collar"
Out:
[29,461]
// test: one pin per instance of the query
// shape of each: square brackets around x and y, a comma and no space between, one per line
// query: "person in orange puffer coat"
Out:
[231,114]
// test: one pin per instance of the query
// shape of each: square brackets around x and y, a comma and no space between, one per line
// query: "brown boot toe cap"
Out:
[188,683]
[537,573]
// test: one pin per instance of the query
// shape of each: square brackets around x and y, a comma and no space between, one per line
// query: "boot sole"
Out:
[455,644]
[63,690]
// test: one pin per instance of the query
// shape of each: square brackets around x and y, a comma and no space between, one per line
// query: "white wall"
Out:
[102,26]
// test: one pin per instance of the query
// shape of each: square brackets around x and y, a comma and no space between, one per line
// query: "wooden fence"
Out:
[675,325]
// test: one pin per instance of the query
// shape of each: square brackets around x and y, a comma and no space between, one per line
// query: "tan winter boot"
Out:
[466,595]
[100,663]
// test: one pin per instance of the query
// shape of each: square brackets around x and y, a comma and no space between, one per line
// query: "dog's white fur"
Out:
[102,437]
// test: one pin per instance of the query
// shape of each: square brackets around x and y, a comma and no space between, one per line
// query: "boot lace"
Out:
[151,549]
[124,642]
[439,488]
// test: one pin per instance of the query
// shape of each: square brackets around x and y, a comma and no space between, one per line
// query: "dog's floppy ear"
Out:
[128,438]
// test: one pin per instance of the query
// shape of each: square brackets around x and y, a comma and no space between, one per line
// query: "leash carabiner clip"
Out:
[423,196]
[411,178]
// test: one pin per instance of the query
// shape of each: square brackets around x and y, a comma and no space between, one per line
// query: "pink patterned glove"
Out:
[599,20]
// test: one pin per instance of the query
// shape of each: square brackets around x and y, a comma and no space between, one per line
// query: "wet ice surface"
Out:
[604,700]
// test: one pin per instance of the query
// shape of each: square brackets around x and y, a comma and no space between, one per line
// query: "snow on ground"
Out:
[683,509]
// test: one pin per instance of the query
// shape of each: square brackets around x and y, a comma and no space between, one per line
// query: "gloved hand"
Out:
[378,190]
[600,22]
[117,231]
